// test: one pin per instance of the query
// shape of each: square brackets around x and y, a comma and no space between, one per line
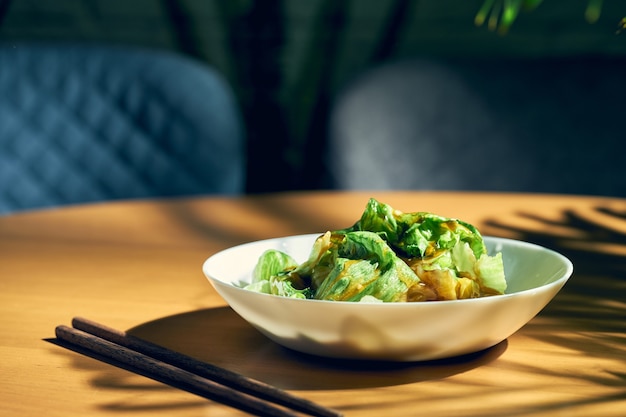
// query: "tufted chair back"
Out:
[86,123]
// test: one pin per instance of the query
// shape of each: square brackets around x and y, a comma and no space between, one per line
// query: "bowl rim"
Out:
[567,273]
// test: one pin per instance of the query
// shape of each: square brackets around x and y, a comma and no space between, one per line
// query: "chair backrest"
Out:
[536,125]
[84,123]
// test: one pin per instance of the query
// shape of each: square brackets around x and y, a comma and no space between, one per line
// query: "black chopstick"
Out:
[182,371]
[204,369]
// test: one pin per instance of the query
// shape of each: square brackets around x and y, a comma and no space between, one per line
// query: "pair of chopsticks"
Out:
[181,371]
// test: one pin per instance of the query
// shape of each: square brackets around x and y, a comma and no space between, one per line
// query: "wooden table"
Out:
[137,266]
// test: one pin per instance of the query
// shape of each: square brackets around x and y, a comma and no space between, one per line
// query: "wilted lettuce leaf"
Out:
[271,275]
[491,274]
[381,219]
[388,256]
[272,262]
[417,234]
[368,246]
[279,285]
[347,279]
[366,266]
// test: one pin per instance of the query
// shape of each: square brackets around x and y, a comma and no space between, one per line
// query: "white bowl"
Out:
[391,331]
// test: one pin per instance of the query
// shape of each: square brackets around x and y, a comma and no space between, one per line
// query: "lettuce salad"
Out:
[387,256]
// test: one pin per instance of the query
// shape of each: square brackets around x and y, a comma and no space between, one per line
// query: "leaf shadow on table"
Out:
[588,316]
[594,240]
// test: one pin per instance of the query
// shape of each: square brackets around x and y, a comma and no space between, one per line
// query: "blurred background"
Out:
[293,67]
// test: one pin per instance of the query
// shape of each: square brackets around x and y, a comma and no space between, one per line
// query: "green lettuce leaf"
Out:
[388,256]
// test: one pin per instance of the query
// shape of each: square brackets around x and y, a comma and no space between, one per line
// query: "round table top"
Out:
[136,266]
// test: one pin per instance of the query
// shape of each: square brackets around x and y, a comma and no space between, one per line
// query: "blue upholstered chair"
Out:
[86,123]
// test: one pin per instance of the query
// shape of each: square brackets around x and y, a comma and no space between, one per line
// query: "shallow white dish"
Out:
[391,331]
